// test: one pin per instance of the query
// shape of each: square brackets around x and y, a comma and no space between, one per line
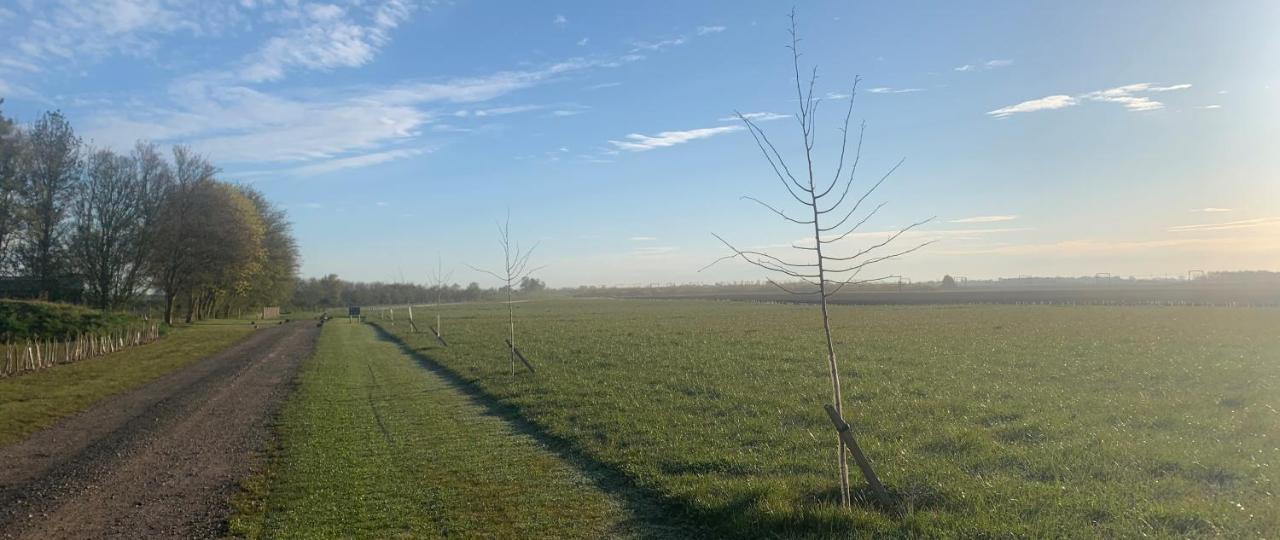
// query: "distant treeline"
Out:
[86,224]
[331,291]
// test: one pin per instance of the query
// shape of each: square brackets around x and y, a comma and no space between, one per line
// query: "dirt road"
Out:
[158,461]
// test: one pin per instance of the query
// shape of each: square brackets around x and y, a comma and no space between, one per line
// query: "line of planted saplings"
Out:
[28,355]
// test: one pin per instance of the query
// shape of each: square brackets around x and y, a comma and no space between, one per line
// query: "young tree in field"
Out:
[515,267]
[51,168]
[440,280]
[107,227]
[828,216]
[11,143]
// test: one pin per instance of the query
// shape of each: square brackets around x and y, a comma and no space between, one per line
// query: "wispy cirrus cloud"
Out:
[1211,210]
[704,30]
[887,90]
[1227,226]
[636,142]
[984,219]
[1130,96]
[1046,103]
[661,45]
[228,112]
[1126,95]
[357,161]
[983,66]
[326,36]
[757,117]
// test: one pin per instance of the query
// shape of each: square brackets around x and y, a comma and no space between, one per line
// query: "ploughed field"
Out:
[1031,421]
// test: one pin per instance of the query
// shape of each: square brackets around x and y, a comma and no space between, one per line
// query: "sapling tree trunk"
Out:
[827,266]
[515,268]
[439,280]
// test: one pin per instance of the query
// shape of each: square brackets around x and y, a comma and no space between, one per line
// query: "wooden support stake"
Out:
[520,356]
[846,435]
[439,337]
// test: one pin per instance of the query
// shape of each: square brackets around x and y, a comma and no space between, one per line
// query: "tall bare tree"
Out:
[154,178]
[824,269]
[171,257]
[51,168]
[107,228]
[515,267]
[10,184]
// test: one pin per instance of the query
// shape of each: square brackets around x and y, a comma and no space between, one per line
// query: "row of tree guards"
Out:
[36,354]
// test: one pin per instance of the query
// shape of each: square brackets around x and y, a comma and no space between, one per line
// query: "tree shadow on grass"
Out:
[654,514]
[651,515]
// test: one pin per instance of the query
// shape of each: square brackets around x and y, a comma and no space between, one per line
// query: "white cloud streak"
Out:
[1227,226]
[704,30]
[887,90]
[757,117]
[984,219]
[326,36]
[983,66]
[1126,95]
[1043,104]
[351,162]
[636,142]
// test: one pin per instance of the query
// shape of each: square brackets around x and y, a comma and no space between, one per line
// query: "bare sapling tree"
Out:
[440,280]
[831,216]
[515,268]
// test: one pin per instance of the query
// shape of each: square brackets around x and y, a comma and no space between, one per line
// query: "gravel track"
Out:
[158,461]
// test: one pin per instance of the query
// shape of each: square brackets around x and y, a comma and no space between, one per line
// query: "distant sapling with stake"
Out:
[515,268]
[825,268]
[439,280]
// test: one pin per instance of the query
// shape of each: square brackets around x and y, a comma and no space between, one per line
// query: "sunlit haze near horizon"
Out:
[1052,139]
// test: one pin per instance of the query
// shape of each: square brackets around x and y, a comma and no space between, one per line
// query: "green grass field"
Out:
[1026,421]
[33,401]
[374,445]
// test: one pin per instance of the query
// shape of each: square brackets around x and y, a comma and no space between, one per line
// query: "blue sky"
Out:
[1136,138]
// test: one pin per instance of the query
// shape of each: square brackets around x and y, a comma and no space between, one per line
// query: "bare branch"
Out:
[844,144]
[763,260]
[886,242]
[875,260]
[776,211]
[766,146]
[851,281]
[500,278]
[855,227]
[861,199]
[789,291]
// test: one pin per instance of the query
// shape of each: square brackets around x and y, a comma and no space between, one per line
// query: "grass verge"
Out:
[33,401]
[372,445]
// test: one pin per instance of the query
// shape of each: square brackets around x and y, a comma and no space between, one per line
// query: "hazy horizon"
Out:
[1130,139]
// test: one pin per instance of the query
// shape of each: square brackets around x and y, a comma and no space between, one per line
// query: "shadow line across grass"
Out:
[655,516]
[659,514]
